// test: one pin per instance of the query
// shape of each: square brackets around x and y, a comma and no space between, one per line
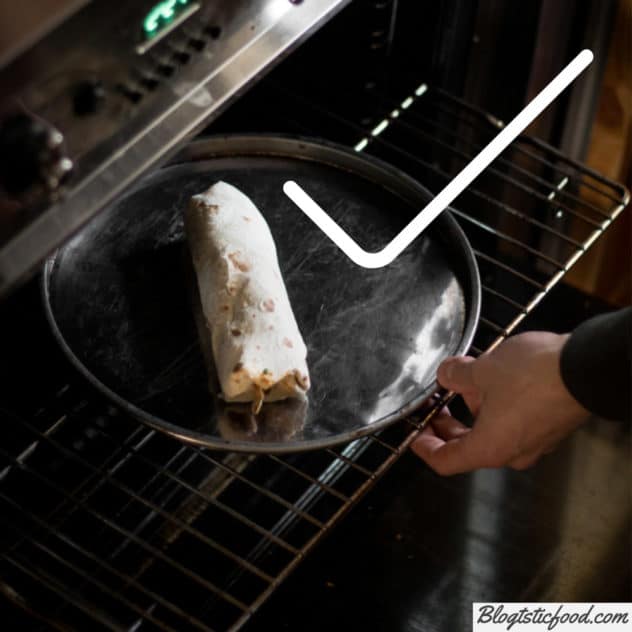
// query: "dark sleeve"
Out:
[596,364]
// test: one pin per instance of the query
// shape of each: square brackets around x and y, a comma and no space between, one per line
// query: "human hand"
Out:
[521,407]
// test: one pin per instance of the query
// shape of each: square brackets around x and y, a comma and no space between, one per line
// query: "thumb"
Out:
[456,374]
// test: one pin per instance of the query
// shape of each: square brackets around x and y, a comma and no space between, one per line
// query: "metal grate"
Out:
[105,524]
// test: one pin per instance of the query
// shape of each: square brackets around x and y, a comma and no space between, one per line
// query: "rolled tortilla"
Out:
[258,350]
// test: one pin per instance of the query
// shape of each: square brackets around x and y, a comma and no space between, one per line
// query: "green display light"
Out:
[162,15]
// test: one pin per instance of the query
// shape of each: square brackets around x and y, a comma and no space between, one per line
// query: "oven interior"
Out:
[107,524]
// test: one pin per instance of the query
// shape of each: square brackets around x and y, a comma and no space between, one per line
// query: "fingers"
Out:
[449,447]
[447,427]
[444,457]
[452,456]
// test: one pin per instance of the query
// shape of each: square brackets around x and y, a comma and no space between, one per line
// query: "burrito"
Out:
[258,351]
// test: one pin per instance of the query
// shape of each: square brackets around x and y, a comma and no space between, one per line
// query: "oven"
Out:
[110,523]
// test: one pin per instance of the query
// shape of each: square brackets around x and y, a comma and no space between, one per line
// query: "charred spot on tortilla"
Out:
[244,300]
[302,380]
[238,262]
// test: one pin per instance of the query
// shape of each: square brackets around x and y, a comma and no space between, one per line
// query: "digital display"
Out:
[162,15]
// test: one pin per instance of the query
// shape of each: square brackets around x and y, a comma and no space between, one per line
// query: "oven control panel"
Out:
[111,64]
[111,92]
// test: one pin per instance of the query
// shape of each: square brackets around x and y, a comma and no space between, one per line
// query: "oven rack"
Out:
[106,524]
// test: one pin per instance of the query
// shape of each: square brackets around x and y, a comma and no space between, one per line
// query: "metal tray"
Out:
[118,303]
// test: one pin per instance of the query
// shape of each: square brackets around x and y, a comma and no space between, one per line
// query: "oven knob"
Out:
[31,155]
[88,97]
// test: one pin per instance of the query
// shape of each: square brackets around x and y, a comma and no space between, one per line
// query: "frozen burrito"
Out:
[257,348]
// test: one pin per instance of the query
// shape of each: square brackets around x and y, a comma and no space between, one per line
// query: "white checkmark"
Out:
[447,195]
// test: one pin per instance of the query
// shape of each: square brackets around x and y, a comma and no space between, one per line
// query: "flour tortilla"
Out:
[257,348]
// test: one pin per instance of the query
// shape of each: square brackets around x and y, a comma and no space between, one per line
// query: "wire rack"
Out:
[105,524]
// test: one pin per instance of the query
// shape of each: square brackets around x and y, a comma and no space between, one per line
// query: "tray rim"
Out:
[295,147]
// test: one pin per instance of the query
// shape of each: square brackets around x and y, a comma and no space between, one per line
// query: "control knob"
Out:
[31,155]
[88,97]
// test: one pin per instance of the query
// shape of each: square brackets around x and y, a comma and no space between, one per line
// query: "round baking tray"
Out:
[119,304]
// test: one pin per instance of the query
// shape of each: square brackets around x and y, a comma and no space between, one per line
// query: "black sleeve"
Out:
[596,364]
